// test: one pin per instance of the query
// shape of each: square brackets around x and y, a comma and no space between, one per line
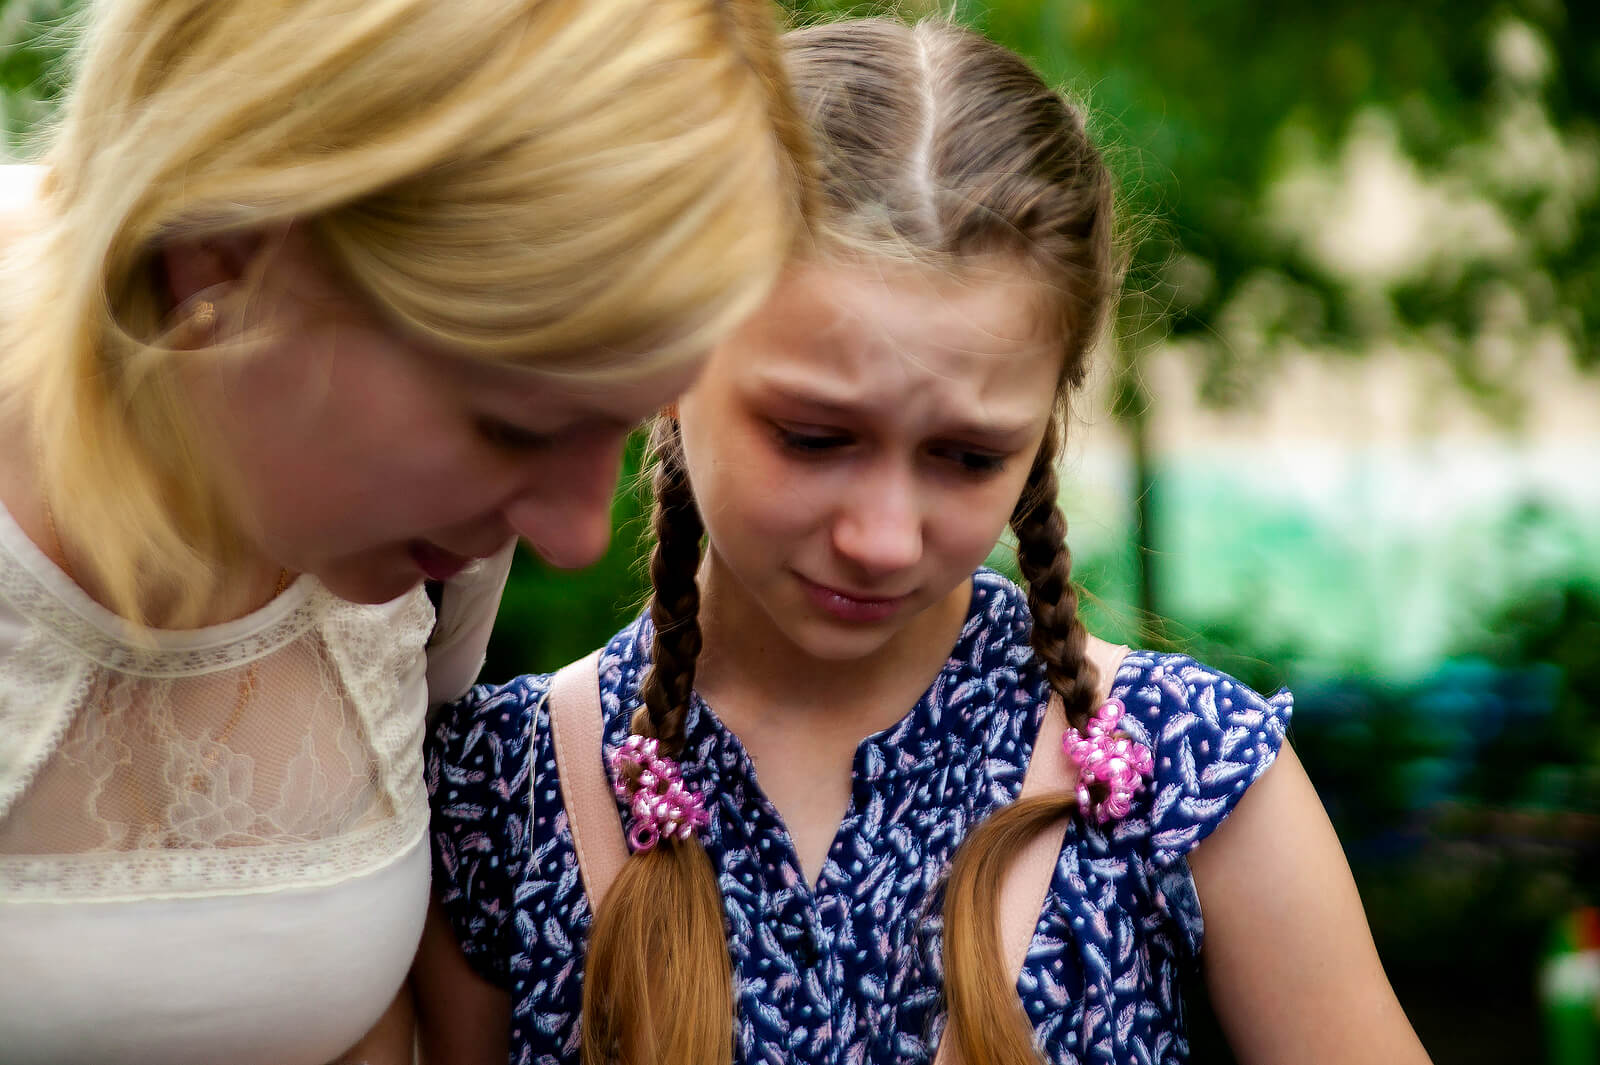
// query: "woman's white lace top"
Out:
[176,791]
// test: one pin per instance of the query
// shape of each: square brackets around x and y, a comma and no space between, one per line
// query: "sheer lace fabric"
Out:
[279,750]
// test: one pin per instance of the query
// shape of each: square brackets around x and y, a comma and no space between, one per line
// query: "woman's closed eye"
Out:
[512,438]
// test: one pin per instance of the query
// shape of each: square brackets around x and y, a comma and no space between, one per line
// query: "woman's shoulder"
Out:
[20,187]
[19,209]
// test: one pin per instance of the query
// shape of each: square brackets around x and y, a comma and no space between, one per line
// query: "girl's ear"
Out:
[193,266]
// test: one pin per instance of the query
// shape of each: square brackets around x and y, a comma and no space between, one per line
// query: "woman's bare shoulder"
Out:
[19,210]
[19,199]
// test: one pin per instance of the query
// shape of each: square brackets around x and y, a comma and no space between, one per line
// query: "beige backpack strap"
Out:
[577,728]
[1028,881]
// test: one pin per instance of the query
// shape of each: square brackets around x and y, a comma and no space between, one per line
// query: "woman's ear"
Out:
[194,266]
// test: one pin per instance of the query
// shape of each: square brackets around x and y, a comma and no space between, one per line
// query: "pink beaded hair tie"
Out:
[652,785]
[1103,757]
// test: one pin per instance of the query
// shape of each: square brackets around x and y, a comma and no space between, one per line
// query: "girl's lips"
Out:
[846,606]
[435,562]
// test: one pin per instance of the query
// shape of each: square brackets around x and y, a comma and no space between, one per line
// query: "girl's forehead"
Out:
[992,302]
[853,332]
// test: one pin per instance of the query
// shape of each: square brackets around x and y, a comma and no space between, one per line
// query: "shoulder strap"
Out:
[577,728]
[1028,881]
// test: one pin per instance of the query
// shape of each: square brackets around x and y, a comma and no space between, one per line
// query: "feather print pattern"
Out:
[848,972]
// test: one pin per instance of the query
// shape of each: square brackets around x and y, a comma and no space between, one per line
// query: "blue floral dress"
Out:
[847,971]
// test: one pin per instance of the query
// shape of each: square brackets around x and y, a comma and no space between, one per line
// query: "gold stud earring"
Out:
[204,315]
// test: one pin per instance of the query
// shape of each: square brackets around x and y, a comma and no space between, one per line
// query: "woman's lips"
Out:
[435,562]
[849,606]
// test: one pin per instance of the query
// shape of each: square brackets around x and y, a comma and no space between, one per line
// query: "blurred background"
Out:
[1345,439]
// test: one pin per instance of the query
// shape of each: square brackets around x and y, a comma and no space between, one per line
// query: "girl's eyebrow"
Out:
[1000,431]
[832,405]
[1005,434]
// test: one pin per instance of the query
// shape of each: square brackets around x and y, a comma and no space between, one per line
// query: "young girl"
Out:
[307,302]
[818,736]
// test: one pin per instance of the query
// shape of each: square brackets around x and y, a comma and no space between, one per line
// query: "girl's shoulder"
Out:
[478,767]
[507,716]
[486,754]
[1210,736]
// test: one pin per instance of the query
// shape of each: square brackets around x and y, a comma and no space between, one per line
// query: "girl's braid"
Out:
[1058,636]
[658,983]
[675,600]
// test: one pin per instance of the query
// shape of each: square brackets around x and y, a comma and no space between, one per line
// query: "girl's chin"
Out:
[830,641]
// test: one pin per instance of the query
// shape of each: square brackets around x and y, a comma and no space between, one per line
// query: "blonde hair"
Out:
[937,147]
[527,181]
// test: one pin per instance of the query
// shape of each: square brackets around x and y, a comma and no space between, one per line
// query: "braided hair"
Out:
[658,986]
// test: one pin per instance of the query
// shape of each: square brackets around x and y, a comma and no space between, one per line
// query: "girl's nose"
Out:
[880,527]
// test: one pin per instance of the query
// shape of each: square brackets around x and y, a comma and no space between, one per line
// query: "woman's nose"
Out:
[564,512]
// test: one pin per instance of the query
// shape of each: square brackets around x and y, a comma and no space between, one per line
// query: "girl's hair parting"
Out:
[590,190]
[938,147]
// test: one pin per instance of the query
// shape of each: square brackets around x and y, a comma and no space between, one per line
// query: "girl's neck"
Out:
[801,719]
[750,669]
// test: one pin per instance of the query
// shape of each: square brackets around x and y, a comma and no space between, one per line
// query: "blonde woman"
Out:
[308,302]
[780,818]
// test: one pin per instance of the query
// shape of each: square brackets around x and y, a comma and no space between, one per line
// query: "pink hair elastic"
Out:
[1104,757]
[652,785]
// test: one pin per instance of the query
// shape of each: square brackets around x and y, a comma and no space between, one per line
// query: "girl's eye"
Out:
[978,463]
[510,437]
[810,442]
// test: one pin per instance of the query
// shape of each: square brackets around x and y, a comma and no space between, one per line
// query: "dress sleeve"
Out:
[477,775]
[1211,737]
[467,607]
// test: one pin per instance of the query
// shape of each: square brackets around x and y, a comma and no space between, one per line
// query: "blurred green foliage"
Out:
[1205,107]
[35,41]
